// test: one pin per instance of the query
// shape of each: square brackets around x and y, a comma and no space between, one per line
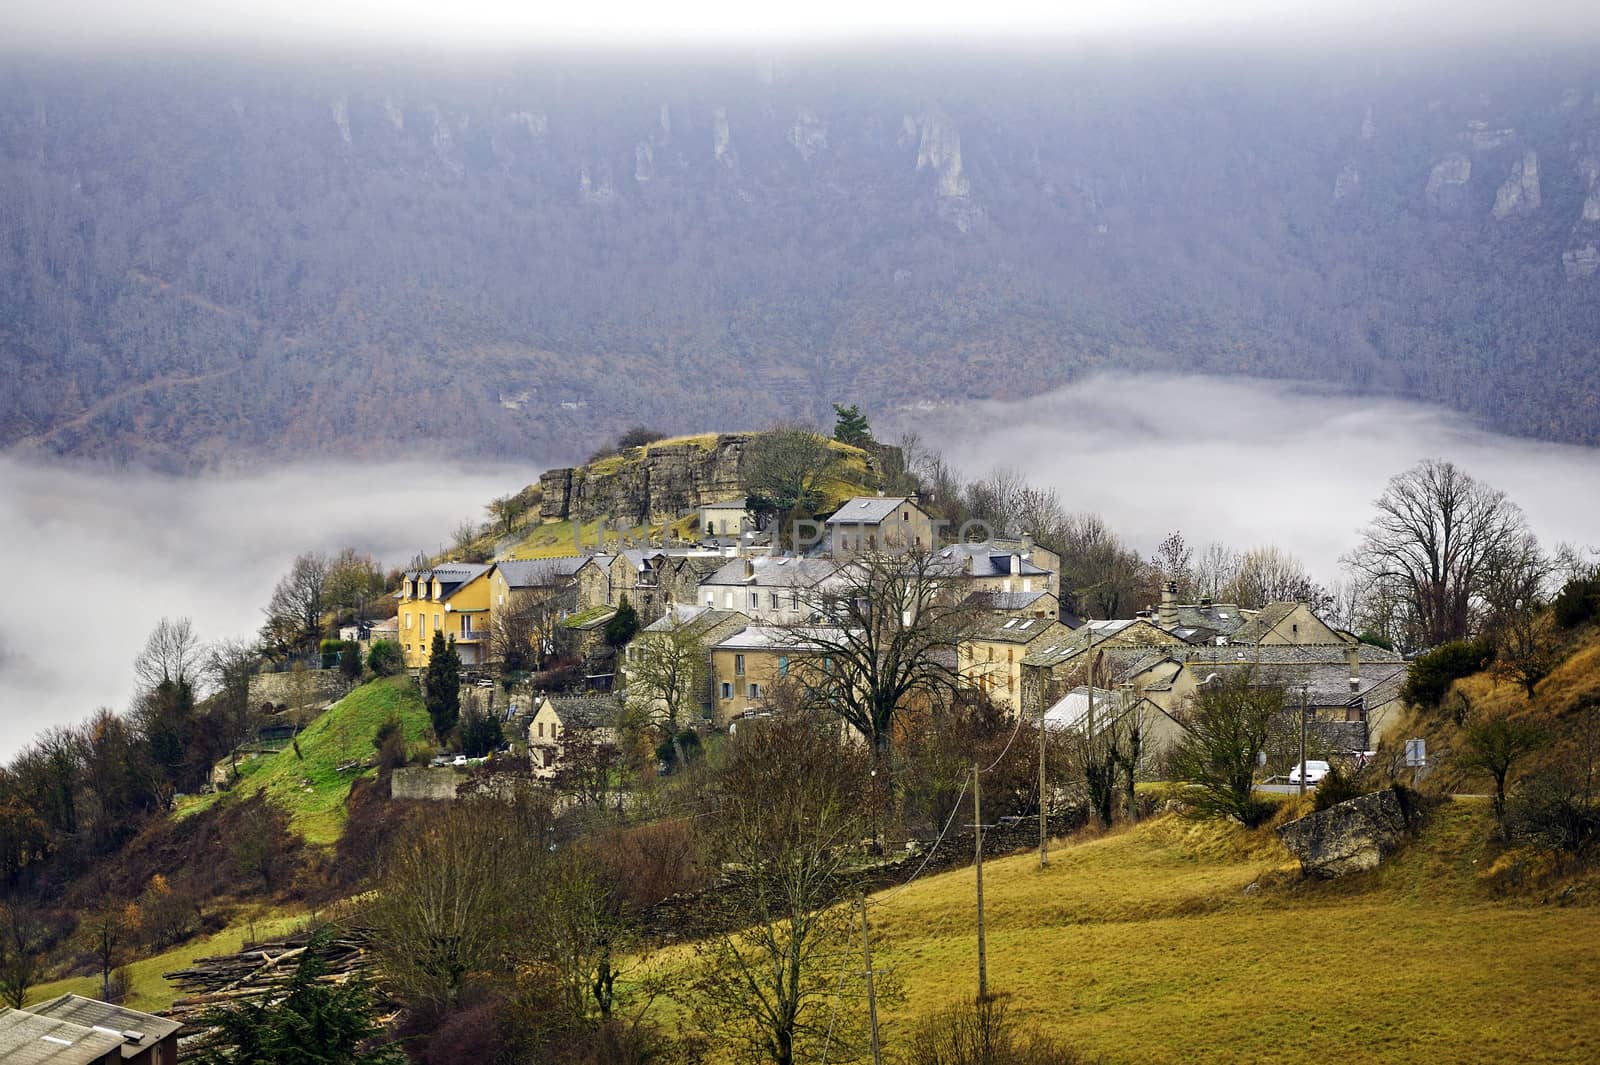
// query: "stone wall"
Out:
[280,689]
[425,782]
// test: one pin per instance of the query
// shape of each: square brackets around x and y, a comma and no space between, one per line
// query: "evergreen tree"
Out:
[442,686]
[850,425]
[623,625]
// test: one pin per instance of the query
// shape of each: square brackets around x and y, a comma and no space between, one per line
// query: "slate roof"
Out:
[1221,618]
[866,510]
[451,575]
[1013,630]
[774,571]
[1004,600]
[540,572]
[984,560]
[693,619]
[767,638]
[1092,632]
[29,1039]
[92,1013]
[586,711]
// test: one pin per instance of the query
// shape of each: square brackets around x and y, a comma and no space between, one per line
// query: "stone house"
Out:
[1049,671]
[1001,566]
[769,589]
[652,578]
[1034,604]
[745,666]
[728,518]
[558,720]
[990,659]
[879,523]
[701,628]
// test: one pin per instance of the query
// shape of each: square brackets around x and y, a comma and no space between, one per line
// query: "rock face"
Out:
[1351,837]
[1348,183]
[1447,183]
[666,481]
[1580,262]
[1520,193]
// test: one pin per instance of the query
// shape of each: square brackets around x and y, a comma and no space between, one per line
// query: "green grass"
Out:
[150,992]
[310,786]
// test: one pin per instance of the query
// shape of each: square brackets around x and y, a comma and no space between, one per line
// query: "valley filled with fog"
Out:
[100,555]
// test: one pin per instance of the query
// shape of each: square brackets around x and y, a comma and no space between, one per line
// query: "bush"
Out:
[1432,672]
[350,660]
[982,1034]
[1557,814]
[1337,787]
[1578,602]
[390,743]
[385,659]
[329,649]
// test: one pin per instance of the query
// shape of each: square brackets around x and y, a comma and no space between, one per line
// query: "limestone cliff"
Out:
[668,479]
[650,484]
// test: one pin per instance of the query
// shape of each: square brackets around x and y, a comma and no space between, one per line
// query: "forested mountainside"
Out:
[225,260]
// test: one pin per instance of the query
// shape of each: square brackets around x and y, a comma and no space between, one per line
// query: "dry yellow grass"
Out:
[1145,947]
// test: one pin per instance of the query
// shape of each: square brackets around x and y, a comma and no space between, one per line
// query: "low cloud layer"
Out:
[1249,462]
[96,557]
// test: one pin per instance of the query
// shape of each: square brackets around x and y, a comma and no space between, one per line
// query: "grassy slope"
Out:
[150,991]
[310,786]
[1144,947]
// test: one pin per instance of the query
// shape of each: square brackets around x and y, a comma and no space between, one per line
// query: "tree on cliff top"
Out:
[785,470]
[850,426]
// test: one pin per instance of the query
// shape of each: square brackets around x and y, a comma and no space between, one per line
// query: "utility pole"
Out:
[1302,740]
[1044,827]
[977,824]
[872,997]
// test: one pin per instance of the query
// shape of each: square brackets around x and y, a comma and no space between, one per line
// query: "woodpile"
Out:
[259,972]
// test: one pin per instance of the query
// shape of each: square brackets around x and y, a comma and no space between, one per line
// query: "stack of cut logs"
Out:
[258,972]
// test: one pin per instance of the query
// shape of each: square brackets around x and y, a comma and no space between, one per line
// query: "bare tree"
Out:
[1174,561]
[20,952]
[355,584]
[667,673]
[1268,574]
[523,637]
[786,813]
[888,625]
[1436,539]
[1100,575]
[784,471]
[295,612]
[1495,744]
[172,652]
[1214,570]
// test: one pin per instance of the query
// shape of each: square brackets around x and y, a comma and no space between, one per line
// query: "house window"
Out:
[738,665]
[773,600]
[755,600]
[408,621]
[438,622]
[727,690]
[755,691]
[727,600]
[794,600]
[711,599]
[783,665]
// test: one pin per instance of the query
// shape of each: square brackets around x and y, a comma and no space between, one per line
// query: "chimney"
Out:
[1352,656]
[1169,605]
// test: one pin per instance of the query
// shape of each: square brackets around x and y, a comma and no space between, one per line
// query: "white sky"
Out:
[523,24]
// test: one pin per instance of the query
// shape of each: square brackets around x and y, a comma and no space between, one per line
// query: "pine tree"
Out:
[623,624]
[442,686]
[850,425]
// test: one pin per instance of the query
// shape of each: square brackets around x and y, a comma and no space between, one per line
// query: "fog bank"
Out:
[97,556]
[1248,462]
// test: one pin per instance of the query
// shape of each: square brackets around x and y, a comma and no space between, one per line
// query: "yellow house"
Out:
[452,598]
[745,665]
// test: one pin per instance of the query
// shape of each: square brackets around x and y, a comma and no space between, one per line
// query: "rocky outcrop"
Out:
[722,138]
[808,135]
[1352,836]
[1447,183]
[1348,183]
[1581,262]
[597,190]
[1520,193]
[654,484]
